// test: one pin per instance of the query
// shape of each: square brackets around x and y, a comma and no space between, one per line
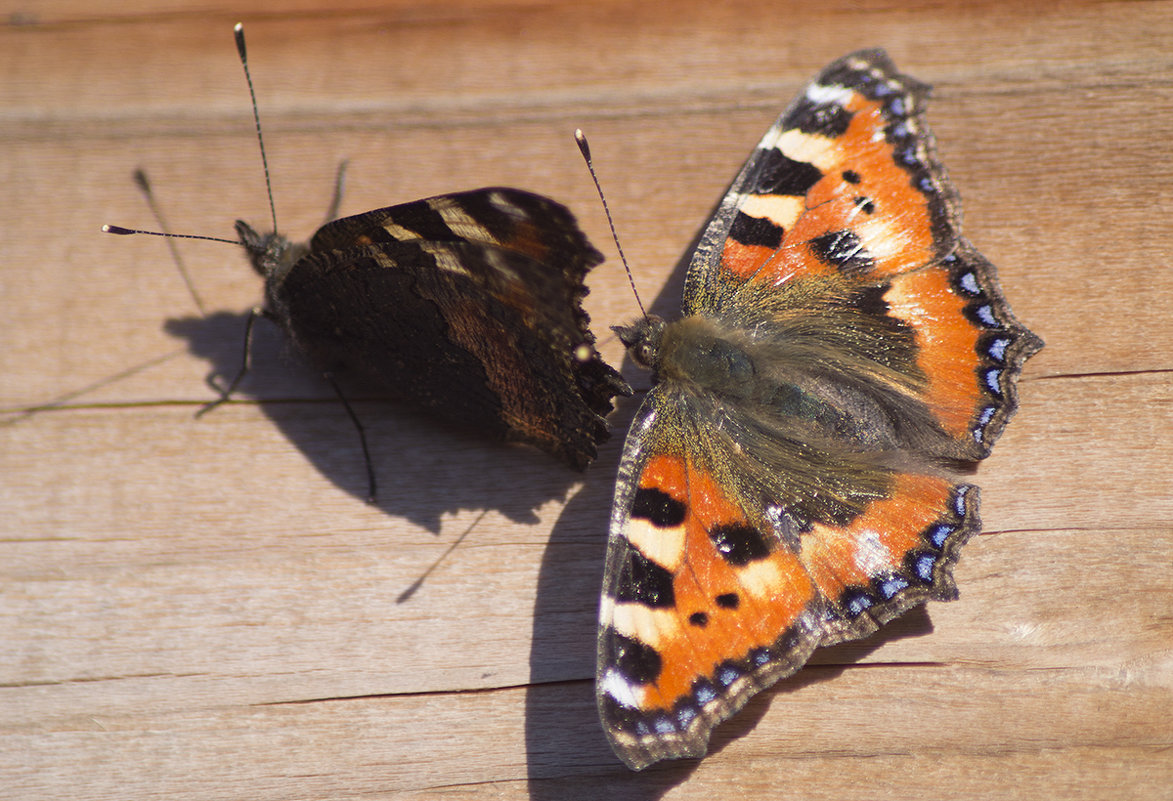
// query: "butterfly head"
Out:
[643,339]
[271,254]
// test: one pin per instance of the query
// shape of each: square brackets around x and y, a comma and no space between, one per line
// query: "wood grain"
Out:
[206,608]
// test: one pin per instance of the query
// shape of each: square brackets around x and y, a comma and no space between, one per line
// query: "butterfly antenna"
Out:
[585,148]
[120,231]
[238,31]
[140,178]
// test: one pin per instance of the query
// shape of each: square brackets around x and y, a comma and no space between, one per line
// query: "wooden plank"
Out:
[828,733]
[206,609]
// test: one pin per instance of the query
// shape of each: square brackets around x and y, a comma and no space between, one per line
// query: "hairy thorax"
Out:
[771,378]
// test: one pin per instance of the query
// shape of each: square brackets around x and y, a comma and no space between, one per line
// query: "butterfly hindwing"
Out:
[841,345]
[897,554]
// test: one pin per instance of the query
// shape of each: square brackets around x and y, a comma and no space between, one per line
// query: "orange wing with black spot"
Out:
[845,180]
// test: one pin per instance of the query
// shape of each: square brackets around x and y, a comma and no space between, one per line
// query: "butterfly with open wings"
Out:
[786,484]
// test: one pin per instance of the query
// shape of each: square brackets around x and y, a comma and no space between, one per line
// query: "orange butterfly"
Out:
[785,484]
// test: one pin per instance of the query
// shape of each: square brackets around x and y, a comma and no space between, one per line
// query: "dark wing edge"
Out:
[1003,347]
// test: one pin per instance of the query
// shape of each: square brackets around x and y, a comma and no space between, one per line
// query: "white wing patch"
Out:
[446,259]
[623,691]
[760,579]
[881,238]
[811,148]
[637,621]
[664,546]
[782,210]
[502,202]
[834,94]
[871,555]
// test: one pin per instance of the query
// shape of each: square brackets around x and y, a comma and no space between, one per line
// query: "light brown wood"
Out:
[206,608]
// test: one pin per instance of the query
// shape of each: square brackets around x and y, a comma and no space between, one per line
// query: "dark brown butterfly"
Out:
[468,305]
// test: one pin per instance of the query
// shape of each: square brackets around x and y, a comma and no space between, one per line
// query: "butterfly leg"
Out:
[362,437]
[246,360]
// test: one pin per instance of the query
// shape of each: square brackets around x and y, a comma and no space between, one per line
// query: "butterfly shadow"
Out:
[424,469]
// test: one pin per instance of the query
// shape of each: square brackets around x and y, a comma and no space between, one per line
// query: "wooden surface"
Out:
[206,609]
